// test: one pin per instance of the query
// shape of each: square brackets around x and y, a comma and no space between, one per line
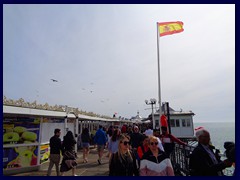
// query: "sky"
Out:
[104,57]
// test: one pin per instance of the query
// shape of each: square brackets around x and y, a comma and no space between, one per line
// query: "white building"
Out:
[181,123]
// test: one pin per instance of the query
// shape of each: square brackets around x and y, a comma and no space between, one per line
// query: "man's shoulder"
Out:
[53,137]
[198,149]
[100,131]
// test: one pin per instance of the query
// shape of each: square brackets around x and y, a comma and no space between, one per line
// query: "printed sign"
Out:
[22,131]
[44,153]
[18,157]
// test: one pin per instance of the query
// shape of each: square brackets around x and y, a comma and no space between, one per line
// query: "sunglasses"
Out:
[126,142]
[152,143]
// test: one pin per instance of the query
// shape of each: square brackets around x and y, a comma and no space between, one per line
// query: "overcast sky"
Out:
[105,58]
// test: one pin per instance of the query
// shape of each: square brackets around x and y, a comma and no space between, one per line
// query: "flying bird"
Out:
[54,80]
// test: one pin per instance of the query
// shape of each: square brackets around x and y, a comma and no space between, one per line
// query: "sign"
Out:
[18,157]
[44,153]
[22,131]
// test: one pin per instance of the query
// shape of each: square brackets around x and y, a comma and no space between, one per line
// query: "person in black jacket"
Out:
[203,161]
[123,162]
[155,162]
[55,149]
[69,154]
[136,138]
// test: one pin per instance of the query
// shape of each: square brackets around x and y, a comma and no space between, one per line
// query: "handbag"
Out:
[69,155]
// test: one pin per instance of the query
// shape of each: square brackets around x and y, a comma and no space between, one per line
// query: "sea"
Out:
[220,132]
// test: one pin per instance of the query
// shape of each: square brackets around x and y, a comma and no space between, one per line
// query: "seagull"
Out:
[91,91]
[54,80]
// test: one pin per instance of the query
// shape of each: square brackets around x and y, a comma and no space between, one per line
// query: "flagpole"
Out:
[159,84]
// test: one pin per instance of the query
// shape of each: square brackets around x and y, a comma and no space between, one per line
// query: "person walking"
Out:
[100,139]
[114,141]
[69,154]
[55,149]
[136,138]
[149,131]
[203,161]
[123,162]
[109,136]
[155,162]
[85,139]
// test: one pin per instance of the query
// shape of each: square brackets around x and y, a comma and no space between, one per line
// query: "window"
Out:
[172,122]
[177,123]
[188,122]
[183,123]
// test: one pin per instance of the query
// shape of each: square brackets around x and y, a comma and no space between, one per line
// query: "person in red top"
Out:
[168,141]
[143,147]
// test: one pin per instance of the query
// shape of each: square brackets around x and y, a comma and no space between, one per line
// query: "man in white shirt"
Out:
[149,131]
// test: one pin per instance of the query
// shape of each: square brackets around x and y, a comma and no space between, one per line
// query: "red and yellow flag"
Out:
[168,28]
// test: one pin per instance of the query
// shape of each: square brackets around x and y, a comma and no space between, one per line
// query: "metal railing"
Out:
[180,160]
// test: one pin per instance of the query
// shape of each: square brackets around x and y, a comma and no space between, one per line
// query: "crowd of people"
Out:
[135,152]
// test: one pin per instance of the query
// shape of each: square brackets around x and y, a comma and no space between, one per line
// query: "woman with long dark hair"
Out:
[114,141]
[85,139]
[69,154]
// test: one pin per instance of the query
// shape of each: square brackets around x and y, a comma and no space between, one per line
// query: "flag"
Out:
[168,28]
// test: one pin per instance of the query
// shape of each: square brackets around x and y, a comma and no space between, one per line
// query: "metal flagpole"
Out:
[159,84]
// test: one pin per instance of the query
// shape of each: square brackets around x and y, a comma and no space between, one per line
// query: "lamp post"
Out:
[152,102]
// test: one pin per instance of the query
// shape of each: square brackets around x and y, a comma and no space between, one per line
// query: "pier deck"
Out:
[92,168]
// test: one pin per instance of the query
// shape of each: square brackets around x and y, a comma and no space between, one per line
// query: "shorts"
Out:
[85,145]
[100,147]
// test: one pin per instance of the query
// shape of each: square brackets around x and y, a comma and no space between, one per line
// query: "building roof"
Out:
[172,112]
[34,112]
